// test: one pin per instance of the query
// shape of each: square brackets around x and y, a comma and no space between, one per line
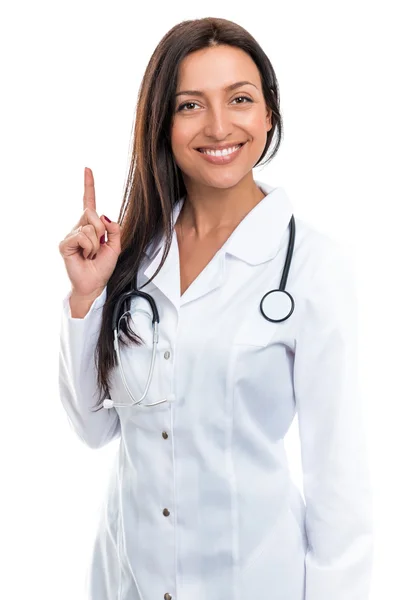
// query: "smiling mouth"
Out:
[233,147]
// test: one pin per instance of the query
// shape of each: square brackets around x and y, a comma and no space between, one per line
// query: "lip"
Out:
[221,160]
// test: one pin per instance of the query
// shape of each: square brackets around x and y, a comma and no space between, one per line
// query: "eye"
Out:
[188,103]
[185,104]
[243,97]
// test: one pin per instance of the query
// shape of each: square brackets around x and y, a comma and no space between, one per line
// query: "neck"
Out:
[208,210]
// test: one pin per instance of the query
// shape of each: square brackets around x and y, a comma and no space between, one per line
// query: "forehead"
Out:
[214,68]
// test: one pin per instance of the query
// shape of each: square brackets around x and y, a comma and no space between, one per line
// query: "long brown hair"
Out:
[154,182]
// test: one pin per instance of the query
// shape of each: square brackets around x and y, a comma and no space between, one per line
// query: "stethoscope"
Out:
[278,303]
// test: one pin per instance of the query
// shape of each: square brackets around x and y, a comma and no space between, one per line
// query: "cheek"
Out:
[258,125]
[181,134]
[258,131]
[181,142]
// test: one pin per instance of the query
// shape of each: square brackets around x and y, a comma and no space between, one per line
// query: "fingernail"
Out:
[107,219]
[103,239]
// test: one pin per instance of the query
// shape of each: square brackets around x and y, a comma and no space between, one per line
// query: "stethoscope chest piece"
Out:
[277,306]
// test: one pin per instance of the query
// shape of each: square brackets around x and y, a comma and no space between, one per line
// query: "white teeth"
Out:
[223,152]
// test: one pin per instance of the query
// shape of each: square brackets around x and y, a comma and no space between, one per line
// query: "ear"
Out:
[268,120]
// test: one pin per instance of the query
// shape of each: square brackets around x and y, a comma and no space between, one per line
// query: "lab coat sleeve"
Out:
[77,376]
[336,478]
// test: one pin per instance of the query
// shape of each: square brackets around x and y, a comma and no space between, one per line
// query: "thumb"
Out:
[113,234]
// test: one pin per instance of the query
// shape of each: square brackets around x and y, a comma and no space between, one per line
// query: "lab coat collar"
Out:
[255,240]
[257,237]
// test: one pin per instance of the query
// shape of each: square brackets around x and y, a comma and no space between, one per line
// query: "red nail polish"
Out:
[103,239]
[107,219]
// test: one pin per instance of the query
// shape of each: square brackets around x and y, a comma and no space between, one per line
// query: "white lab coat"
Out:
[236,526]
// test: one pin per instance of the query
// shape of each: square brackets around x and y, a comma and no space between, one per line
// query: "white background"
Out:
[70,73]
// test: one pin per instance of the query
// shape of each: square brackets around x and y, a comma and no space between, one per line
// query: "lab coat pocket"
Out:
[255,330]
[261,366]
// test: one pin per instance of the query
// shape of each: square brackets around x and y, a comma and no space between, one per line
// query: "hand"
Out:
[88,262]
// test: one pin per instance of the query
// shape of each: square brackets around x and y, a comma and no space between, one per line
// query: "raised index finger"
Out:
[89,197]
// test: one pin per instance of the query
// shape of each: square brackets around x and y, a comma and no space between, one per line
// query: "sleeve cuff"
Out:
[97,304]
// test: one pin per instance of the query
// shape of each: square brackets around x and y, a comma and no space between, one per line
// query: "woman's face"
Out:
[218,116]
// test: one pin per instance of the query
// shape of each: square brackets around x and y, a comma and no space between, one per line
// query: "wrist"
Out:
[80,304]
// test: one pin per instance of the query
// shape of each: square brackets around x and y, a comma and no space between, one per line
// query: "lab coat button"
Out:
[165,435]
[167,597]
[166,512]
[167,354]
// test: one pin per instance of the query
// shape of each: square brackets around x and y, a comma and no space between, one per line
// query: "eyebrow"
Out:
[226,89]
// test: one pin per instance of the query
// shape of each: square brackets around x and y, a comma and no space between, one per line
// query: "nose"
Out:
[218,123]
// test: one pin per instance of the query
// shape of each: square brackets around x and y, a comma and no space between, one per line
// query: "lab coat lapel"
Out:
[210,278]
[168,279]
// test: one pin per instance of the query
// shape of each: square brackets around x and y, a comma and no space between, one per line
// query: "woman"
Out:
[200,502]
